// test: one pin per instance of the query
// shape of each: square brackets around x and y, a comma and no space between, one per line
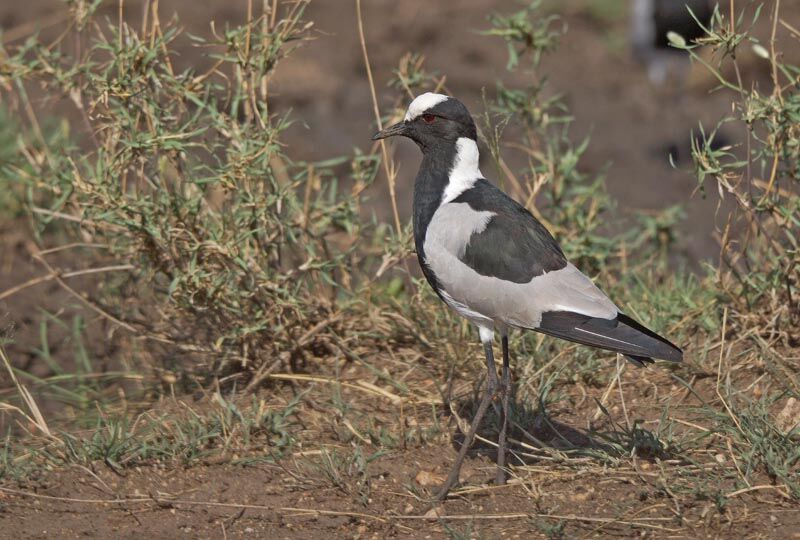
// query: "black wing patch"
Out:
[514,246]
[622,335]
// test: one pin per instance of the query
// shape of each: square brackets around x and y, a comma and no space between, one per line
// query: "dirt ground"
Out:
[325,86]
[266,502]
[303,495]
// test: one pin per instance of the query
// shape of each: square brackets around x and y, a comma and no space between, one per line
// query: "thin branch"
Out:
[388,166]
[54,274]
[83,300]
[37,418]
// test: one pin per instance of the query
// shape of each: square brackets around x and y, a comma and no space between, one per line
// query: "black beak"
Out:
[401,128]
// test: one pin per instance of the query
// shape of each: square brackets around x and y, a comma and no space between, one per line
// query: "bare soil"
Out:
[262,502]
[670,494]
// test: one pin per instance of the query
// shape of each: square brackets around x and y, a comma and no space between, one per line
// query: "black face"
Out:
[444,123]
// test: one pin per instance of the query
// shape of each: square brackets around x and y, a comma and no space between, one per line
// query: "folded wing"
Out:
[621,334]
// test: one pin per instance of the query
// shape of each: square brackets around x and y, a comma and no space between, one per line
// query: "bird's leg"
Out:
[505,391]
[491,388]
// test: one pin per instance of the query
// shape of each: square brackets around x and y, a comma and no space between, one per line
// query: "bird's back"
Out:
[488,255]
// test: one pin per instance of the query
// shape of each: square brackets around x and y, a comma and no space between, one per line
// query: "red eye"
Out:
[429,118]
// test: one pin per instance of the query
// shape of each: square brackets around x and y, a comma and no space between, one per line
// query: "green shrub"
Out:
[759,270]
[239,249]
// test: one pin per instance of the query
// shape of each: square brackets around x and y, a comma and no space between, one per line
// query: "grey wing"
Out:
[495,261]
[480,261]
[513,246]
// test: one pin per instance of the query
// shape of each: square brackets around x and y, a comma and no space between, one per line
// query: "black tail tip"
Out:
[659,347]
[672,354]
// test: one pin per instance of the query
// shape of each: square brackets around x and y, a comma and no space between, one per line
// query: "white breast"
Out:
[464,172]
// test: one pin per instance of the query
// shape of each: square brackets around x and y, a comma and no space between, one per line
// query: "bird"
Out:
[650,23]
[489,259]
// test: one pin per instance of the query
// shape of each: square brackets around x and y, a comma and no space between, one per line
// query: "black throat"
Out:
[432,180]
[429,187]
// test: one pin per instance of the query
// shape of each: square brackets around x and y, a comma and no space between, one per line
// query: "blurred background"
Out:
[634,122]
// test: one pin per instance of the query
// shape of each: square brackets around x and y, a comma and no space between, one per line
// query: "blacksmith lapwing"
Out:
[490,260]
